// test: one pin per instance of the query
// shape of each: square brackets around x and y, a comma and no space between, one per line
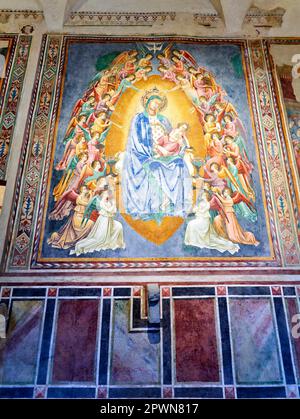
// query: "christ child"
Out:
[172,144]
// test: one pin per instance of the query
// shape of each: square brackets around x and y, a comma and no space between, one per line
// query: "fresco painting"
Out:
[154,155]
[291,102]
[4,46]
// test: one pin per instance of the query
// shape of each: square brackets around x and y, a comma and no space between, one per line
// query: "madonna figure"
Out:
[154,186]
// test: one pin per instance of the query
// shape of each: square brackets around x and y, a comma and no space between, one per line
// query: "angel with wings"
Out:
[211,125]
[241,208]
[204,86]
[167,73]
[244,166]
[200,232]
[73,230]
[145,61]
[165,57]
[229,227]
[71,177]
[107,233]
[72,141]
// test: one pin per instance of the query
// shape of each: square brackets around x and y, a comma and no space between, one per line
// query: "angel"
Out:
[98,122]
[98,171]
[91,212]
[64,206]
[220,91]
[178,66]
[219,177]
[74,128]
[88,107]
[129,68]
[168,73]
[165,57]
[71,178]
[73,230]
[205,105]
[126,83]
[233,126]
[223,173]
[91,172]
[184,84]
[102,86]
[164,61]
[72,140]
[107,233]
[78,106]
[229,228]
[211,125]
[200,231]
[145,61]
[215,151]
[185,57]
[142,73]
[244,167]
[81,147]
[104,105]
[242,209]
[122,58]
[211,176]
[95,146]
[217,108]
[74,147]
[203,86]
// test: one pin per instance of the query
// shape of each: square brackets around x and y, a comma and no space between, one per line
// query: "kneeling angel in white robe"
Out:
[201,233]
[106,234]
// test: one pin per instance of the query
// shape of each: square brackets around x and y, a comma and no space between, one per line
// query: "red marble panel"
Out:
[196,340]
[292,308]
[75,344]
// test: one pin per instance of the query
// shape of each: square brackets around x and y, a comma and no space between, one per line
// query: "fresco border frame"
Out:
[11,91]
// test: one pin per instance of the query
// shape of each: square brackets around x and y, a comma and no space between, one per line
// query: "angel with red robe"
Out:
[72,139]
[229,227]
[245,168]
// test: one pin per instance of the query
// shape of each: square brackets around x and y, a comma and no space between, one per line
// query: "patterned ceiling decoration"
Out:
[211,20]
[260,18]
[118,18]
[6,14]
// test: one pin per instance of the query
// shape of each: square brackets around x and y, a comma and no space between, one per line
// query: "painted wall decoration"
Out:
[287,85]
[152,153]
[285,77]
[229,342]
[6,54]
[15,52]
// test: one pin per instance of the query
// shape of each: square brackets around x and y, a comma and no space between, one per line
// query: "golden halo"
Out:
[154,92]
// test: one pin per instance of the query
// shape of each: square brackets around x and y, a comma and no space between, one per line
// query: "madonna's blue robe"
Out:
[145,179]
